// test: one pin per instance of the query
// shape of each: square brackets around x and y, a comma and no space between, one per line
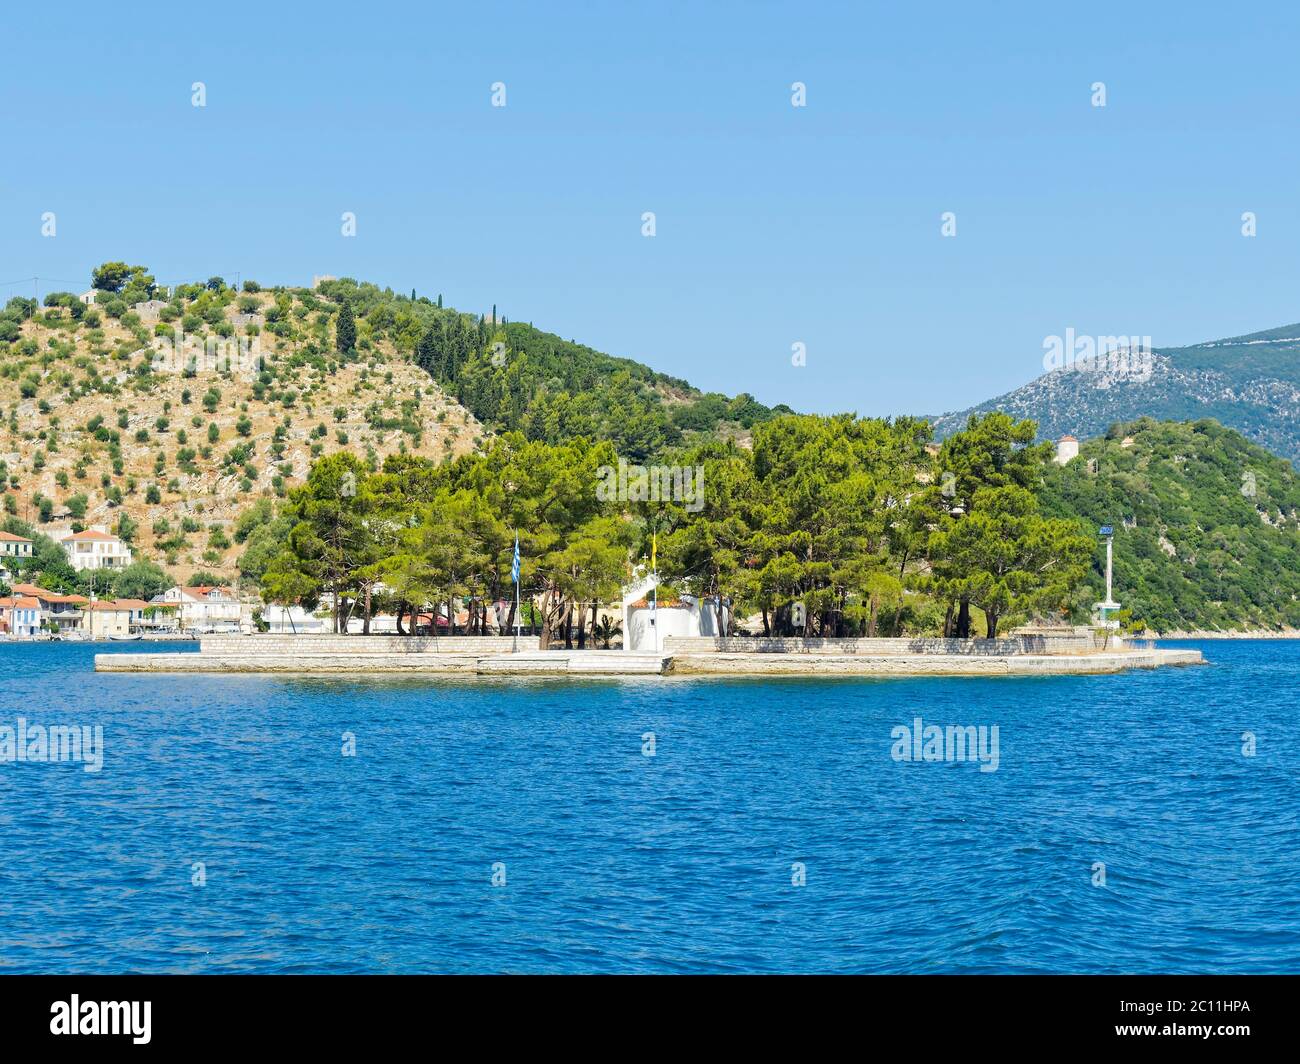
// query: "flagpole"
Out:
[654,572]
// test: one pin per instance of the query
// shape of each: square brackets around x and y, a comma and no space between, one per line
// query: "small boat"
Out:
[126,638]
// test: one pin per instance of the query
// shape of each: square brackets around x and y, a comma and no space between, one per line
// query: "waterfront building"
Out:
[20,616]
[207,608]
[63,612]
[107,618]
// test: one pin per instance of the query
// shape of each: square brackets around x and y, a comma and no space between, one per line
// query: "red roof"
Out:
[89,534]
[203,590]
[47,595]
[30,589]
[9,537]
[20,602]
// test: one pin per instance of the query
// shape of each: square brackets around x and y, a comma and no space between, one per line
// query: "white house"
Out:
[210,608]
[95,549]
[12,549]
[294,619]
[89,297]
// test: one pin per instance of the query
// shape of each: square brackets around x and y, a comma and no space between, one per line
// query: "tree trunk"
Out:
[963,620]
[947,622]
[871,621]
[582,628]
[365,626]
[401,608]
[547,630]
[991,620]
[767,625]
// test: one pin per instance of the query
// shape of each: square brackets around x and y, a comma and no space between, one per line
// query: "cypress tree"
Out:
[426,351]
[345,336]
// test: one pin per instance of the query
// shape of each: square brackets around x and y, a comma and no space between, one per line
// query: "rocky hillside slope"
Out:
[163,418]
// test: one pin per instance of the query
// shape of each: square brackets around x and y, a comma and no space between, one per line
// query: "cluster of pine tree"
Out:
[858,521]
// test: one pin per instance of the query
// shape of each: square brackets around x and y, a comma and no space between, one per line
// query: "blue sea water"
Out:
[680,862]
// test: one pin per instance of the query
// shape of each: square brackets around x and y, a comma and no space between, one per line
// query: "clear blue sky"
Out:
[775,224]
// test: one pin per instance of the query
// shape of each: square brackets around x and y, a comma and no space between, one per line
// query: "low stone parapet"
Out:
[1071,643]
[226,645]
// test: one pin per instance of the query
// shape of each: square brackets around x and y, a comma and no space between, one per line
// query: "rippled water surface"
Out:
[680,862]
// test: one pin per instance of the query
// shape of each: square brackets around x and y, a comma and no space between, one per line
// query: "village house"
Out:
[203,608]
[20,616]
[107,618]
[90,297]
[293,620]
[95,549]
[137,608]
[13,549]
[61,612]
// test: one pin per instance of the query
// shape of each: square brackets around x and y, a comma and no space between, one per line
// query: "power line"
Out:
[29,280]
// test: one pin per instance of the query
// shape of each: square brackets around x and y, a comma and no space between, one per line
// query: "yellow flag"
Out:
[654,551]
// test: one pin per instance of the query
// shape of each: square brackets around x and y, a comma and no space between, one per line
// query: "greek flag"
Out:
[514,566]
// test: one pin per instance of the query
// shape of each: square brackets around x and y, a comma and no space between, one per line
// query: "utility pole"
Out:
[1107,532]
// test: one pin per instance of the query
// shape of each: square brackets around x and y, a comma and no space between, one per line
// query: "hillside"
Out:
[101,428]
[1248,383]
[162,414]
[1207,524]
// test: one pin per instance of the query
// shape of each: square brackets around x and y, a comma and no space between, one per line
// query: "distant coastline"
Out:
[1248,633]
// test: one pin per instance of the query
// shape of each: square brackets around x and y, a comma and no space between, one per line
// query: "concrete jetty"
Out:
[495,656]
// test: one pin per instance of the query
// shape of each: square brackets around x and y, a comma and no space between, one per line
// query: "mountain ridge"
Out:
[1250,383]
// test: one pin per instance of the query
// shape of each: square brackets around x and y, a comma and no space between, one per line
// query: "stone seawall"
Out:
[525,663]
[767,664]
[616,663]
